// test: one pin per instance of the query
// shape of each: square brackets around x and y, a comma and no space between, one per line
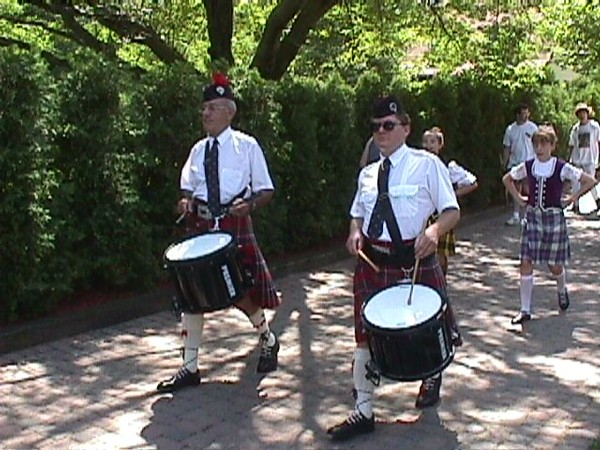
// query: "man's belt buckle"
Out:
[203,212]
[382,249]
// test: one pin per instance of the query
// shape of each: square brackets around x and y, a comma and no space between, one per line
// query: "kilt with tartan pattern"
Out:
[446,242]
[367,283]
[262,293]
[544,238]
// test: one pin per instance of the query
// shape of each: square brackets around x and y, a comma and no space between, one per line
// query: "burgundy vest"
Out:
[545,192]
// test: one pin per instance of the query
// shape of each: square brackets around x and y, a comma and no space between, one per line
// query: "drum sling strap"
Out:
[403,255]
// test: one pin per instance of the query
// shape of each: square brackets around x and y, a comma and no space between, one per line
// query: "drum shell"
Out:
[413,353]
[209,282]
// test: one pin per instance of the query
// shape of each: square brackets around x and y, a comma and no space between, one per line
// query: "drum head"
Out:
[389,308]
[198,246]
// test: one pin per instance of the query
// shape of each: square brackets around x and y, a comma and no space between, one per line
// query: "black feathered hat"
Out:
[220,88]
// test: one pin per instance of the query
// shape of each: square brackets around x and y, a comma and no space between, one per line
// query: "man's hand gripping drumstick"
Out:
[355,243]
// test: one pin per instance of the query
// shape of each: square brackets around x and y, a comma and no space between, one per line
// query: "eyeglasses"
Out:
[388,125]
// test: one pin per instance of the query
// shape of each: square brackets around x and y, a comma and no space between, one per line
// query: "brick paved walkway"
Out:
[508,388]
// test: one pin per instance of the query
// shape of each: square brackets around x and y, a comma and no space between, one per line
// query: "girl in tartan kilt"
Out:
[463,181]
[544,238]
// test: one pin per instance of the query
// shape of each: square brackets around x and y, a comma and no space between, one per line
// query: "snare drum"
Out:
[408,342]
[207,271]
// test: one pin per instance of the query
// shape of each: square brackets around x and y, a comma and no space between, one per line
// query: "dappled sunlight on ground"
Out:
[536,386]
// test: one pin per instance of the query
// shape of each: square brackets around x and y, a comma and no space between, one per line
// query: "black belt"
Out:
[200,207]
[403,256]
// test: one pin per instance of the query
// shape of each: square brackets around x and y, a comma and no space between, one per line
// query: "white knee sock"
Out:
[191,332]
[259,321]
[364,387]
[526,292]
[561,281]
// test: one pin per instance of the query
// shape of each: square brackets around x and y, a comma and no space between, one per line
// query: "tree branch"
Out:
[274,54]
[52,59]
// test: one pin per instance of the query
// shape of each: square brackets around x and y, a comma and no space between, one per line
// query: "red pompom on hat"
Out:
[220,88]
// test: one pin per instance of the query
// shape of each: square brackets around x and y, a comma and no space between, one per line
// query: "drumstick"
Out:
[368,261]
[180,218]
[414,279]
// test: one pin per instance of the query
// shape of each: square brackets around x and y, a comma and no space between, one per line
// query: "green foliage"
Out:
[27,232]
[91,151]
[259,115]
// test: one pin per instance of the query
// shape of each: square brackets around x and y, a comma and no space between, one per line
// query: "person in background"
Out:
[584,141]
[518,149]
[226,177]
[544,238]
[370,154]
[463,181]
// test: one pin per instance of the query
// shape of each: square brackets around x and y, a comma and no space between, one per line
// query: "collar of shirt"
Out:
[397,156]
[222,138]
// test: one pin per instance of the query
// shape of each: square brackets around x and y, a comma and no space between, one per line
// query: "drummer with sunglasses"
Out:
[395,197]
[224,180]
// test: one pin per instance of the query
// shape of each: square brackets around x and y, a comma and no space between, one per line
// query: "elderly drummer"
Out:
[224,180]
[394,198]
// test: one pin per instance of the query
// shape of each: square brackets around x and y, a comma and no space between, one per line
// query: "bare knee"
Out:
[526,268]
[555,270]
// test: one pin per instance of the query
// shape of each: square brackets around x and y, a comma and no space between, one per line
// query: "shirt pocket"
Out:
[231,182]
[404,199]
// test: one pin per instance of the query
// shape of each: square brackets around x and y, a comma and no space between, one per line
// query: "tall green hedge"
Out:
[90,160]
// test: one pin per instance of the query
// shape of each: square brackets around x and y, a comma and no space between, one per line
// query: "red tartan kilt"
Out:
[263,291]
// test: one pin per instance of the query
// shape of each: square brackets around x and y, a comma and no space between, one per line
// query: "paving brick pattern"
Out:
[508,388]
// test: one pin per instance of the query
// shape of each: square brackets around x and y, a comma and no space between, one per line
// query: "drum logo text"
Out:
[442,343]
[228,281]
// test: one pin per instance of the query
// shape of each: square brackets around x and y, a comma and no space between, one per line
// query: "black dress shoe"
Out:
[520,318]
[429,392]
[181,379]
[268,357]
[457,339]
[563,300]
[354,425]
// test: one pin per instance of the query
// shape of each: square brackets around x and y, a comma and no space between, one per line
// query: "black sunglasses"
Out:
[388,125]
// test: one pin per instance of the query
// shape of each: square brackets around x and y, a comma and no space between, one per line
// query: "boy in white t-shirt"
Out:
[583,145]
[518,148]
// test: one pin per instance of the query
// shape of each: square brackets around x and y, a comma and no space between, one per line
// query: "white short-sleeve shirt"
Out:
[460,176]
[584,140]
[419,184]
[517,137]
[242,164]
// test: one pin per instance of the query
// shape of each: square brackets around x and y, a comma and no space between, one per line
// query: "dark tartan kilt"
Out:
[367,283]
[544,238]
[263,291]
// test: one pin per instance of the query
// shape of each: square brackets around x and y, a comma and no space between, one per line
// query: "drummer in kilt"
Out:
[226,177]
[395,197]
[544,238]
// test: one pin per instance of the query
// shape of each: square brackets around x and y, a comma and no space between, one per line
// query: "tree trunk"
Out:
[219,15]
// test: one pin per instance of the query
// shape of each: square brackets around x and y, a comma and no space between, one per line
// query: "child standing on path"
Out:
[544,238]
[463,181]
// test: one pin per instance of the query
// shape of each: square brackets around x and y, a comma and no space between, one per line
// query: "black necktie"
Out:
[211,169]
[376,223]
